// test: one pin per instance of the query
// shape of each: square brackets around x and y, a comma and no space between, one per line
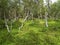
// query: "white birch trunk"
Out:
[6,23]
[46,19]
[23,22]
[7,26]
[11,26]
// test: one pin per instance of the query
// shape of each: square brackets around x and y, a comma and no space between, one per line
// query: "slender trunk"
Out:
[11,26]
[47,12]
[21,26]
[6,23]
[32,16]
[7,26]
[46,19]
[41,16]
[38,16]
[23,22]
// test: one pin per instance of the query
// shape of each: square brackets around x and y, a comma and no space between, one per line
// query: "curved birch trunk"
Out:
[23,22]
[6,23]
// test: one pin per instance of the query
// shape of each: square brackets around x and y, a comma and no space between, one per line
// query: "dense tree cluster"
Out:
[13,10]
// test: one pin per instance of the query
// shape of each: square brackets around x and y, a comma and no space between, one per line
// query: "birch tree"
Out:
[47,12]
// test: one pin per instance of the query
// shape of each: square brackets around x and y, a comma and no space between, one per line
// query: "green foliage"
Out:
[33,32]
[32,35]
[16,24]
[29,38]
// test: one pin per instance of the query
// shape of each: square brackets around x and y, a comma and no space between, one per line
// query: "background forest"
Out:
[29,22]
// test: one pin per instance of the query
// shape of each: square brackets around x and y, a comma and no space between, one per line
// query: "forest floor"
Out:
[33,33]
